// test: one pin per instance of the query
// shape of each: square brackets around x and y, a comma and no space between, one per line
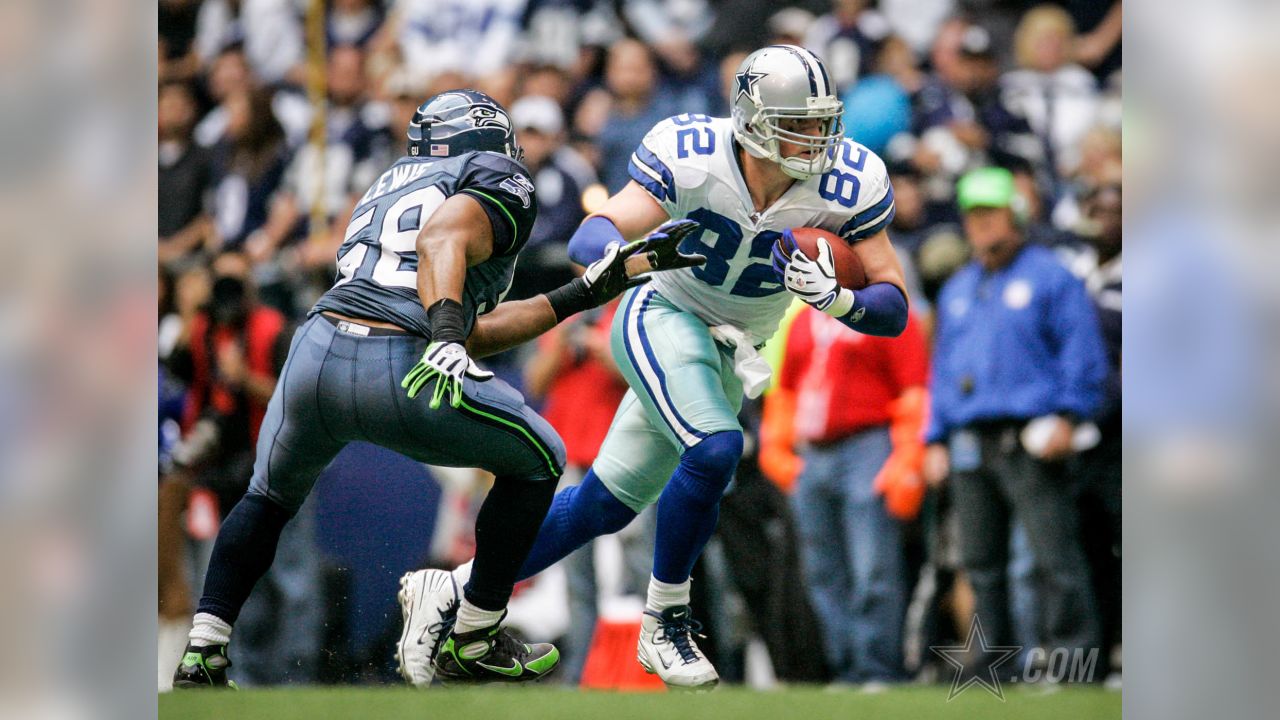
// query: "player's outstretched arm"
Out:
[510,324]
[513,323]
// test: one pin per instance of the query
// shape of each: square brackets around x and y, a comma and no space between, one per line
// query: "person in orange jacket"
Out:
[854,407]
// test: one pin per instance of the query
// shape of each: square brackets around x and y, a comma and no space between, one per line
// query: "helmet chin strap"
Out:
[794,172]
[798,167]
[805,168]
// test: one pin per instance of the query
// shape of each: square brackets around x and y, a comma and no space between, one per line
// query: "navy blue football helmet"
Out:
[460,121]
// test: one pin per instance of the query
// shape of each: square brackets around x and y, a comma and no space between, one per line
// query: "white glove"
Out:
[449,362]
[815,281]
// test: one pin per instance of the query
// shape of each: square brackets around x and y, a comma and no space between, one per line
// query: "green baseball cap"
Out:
[986,187]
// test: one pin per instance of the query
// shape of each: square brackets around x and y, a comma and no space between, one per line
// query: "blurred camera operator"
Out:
[235,350]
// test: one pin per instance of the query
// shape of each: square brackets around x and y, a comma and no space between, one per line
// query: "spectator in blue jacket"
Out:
[1019,365]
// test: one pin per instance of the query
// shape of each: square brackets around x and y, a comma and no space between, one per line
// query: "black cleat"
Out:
[203,667]
[493,654]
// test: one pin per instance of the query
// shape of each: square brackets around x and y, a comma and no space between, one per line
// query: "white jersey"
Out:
[687,163]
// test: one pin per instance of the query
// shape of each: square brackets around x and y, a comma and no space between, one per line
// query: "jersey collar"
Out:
[744,194]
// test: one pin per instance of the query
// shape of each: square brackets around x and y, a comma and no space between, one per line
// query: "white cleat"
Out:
[429,604]
[667,648]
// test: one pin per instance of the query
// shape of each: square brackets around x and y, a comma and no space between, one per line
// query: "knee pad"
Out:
[714,460]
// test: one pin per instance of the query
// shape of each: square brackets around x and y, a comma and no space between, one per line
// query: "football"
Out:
[849,270]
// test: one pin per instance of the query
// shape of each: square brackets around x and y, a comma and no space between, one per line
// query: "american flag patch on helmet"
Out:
[439,150]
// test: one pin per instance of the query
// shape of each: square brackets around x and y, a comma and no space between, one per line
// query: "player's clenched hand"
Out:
[813,281]
[619,269]
[448,363]
[661,248]
[607,277]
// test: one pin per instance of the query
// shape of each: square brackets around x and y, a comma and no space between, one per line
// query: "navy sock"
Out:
[505,530]
[242,554]
[577,515]
[690,504]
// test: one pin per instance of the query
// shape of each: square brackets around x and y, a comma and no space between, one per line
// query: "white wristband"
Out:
[841,305]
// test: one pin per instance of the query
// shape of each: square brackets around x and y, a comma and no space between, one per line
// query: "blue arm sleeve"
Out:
[1082,358]
[878,309]
[592,237]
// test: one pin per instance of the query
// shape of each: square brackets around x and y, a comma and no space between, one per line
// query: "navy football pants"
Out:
[337,387]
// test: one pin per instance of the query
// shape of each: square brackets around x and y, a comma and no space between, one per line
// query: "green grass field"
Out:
[550,703]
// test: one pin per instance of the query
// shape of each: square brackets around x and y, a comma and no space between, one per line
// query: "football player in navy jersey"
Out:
[386,356]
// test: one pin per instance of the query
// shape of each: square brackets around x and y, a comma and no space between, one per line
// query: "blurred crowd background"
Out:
[274,116]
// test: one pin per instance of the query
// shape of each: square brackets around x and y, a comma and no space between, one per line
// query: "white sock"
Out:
[208,630]
[664,595]
[462,573]
[471,618]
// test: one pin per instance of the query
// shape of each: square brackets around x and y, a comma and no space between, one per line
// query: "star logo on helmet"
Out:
[747,82]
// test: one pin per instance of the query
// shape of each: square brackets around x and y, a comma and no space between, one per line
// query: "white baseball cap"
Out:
[537,112]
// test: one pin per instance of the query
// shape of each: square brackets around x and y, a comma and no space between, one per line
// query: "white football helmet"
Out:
[786,82]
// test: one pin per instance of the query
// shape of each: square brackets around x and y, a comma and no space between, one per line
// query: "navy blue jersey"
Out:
[378,263]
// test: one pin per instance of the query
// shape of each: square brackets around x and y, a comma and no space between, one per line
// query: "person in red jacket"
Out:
[858,418]
[235,350]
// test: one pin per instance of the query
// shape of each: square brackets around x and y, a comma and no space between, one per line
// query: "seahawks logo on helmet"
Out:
[461,121]
[488,116]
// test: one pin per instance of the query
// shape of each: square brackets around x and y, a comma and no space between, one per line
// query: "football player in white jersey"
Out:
[687,341]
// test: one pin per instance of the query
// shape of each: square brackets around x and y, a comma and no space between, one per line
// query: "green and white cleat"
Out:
[493,654]
[203,667]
